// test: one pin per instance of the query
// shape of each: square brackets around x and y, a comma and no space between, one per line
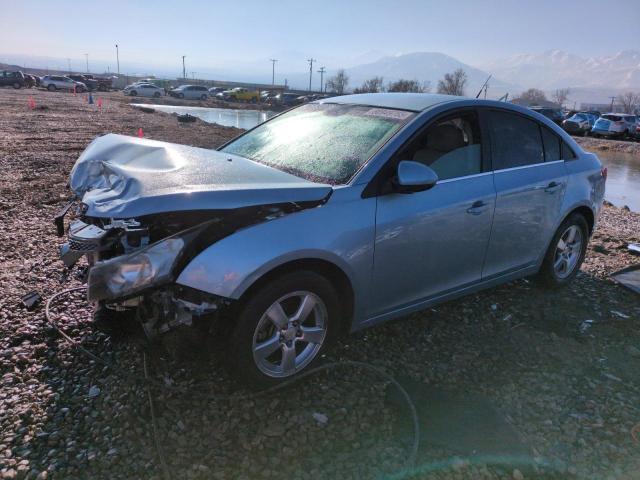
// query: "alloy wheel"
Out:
[290,334]
[568,252]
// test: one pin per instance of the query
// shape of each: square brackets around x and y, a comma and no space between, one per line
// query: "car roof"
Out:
[402,101]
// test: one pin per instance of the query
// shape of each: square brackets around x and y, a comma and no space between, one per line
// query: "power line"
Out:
[118,58]
[311,60]
[321,72]
[273,70]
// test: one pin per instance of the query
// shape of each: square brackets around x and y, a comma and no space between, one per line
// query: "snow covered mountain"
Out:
[423,67]
[558,69]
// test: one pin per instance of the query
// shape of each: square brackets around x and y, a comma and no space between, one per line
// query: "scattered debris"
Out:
[31,300]
[321,418]
[585,326]
[620,314]
[186,118]
[628,277]
[94,391]
[634,248]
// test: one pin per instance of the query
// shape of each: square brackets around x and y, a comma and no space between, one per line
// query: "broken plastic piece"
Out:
[30,300]
[628,277]
[634,248]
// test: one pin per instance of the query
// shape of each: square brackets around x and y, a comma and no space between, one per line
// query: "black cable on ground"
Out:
[411,459]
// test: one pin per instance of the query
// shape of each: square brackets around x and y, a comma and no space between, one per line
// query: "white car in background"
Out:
[143,90]
[57,82]
[611,125]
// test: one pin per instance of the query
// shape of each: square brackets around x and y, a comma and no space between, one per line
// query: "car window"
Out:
[551,144]
[515,140]
[567,152]
[451,147]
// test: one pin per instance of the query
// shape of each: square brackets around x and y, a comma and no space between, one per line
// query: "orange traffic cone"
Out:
[140,134]
[100,103]
[32,103]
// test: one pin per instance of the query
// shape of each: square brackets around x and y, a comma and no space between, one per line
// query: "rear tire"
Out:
[203,97]
[258,347]
[566,252]
[156,94]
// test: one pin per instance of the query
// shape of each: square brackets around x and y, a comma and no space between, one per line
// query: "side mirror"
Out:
[414,177]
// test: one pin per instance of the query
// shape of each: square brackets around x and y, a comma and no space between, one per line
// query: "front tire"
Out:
[566,252]
[17,85]
[51,88]
[282,328]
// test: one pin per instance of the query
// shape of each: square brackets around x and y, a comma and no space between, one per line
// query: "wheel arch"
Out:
[586,212]
[332,272]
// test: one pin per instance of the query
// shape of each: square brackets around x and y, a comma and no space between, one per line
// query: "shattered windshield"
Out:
[321,142]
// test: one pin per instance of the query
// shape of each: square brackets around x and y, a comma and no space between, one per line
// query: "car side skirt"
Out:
[444,297]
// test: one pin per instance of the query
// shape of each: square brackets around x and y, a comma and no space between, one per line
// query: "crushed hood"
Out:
[124,177]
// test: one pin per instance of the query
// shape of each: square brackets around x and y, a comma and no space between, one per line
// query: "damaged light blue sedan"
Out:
[331,217]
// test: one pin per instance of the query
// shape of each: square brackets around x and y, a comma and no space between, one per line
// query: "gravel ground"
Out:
[561,368]
[607,145]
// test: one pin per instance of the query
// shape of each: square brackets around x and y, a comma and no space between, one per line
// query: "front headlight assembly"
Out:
[129,274]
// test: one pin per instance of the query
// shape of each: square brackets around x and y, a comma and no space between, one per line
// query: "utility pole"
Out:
[87,58]
[321,72]
[118,58]
[273,70]
[184,71]
[311,60]
[612,99]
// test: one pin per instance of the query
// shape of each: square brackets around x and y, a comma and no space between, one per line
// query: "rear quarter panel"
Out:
[585,185]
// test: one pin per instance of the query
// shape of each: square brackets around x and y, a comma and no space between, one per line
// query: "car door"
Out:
[530,179]
[432,242]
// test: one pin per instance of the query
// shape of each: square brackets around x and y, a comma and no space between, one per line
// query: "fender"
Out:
[340,232]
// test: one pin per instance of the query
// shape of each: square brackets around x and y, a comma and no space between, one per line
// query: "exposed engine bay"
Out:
[144,209]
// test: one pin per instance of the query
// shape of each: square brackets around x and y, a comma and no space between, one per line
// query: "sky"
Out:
[219,36]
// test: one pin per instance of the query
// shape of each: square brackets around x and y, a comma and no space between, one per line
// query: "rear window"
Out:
[613,118]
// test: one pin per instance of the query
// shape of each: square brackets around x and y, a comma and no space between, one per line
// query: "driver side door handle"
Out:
[477,208]
[552,187]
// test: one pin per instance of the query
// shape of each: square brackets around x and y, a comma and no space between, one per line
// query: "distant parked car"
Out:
[289,99]
[103,84]
[214,91]
[632,123]
[144,90]
[89,82]
[194,92]
[241,94]
[553,114]
[12,79]
[56,82]
[579,123]
[610,125]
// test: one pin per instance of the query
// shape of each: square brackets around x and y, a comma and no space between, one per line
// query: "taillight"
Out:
[603,172]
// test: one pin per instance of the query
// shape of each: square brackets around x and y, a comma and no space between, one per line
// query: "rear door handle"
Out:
[477,208]
[552,187]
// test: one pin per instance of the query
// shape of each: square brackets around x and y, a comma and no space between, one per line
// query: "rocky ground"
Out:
[515,382]
[607,145]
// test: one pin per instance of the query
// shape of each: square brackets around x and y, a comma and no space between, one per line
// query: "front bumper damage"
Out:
[154,303]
